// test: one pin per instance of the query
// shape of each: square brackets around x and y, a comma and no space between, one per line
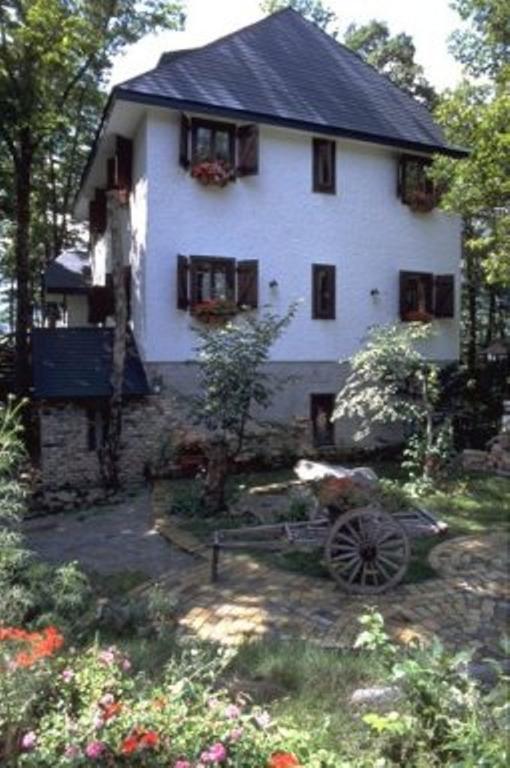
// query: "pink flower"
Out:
[106,700]
[182,764]
[107,657]
[28,741]
[95,749]
[235,735]
[67,675]
[232,712]
[217,753]
[126,665]
[71,752]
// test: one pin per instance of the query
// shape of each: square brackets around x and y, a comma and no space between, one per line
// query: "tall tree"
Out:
[393,56]
[476,114]
[48,50]
[314,10]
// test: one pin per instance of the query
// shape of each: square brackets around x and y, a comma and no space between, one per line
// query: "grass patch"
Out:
[473,504]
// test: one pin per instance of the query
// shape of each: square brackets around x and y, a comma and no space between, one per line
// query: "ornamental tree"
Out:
[391,382]
[232,384]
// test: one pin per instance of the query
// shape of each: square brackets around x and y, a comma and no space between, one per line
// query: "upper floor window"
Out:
[212,142]
[324,165]
[415,188]
[323,291]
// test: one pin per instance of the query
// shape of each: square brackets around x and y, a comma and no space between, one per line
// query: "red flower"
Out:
[283,760]
[149,740]
[129,745]
[40,644]
[111,710]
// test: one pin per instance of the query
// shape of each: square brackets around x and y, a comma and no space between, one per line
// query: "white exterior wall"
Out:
[138,244]
[274,217]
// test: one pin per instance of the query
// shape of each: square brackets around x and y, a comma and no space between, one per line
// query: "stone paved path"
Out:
[108,539]
[468,604]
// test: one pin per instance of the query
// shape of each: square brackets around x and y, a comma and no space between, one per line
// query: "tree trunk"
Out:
[213,495]
[23,181]
[111,451]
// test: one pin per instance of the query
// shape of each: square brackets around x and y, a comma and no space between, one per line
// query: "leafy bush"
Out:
[91,707]
[31,591]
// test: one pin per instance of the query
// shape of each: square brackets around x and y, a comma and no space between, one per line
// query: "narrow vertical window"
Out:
[321,411]
[323,292]
[324,166]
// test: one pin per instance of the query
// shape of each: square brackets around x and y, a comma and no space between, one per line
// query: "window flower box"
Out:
[215,311]
[216,173]
[417,316]
[422,201]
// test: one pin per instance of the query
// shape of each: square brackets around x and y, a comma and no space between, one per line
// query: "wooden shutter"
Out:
[101,303]
[184,142]
[98,216]
[111,172]
[124,164]
[248,283]
[182,282]
[231,279]
[444,297]
[323,291]
[248,150]
[401,177]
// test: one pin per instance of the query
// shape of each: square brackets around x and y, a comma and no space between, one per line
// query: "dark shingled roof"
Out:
[72,363]
[69,273]
[284,70]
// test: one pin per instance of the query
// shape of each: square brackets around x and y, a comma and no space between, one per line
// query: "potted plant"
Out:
[422,201]
[417,316]
[215,311]
[216,173]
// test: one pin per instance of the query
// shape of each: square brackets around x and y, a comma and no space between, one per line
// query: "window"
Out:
[414,187]
[96,428]
[321,407]
[424,296]
[208,278]
[323,292]
[324,162]
[212,141]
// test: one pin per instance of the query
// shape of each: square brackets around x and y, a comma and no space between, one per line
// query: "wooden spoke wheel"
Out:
[367,551]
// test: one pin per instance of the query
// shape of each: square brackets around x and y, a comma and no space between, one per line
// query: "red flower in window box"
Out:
[421,201]
[215,310]
[417,316]
[283,760]
[213,172]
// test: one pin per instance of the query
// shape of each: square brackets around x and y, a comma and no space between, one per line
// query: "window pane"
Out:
[219,290]
[222,146]
[325,165]
[203,143]
[203,284]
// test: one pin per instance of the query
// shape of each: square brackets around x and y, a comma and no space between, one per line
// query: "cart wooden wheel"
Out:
[367,551]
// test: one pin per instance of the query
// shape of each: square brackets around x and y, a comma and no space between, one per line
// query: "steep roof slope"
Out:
[77,363]
[287,71]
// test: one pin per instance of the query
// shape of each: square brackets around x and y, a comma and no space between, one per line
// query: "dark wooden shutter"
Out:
[111,172]
[182,282]
[184,142]
[248,150]
[101,303]
[323,291]
[248,283]
[444,304]
[231,279]
[124,164]
[401,177]
[127,286]
[98,216]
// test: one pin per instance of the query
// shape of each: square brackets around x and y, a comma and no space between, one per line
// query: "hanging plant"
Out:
[418,316]
[215,310]
[213,172]
[421,201]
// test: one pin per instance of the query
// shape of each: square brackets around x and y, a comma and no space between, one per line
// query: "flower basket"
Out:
[215,173]
[421,201]
[216,311]
[418,316]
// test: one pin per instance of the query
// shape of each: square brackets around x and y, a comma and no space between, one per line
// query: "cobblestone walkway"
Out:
[469,602]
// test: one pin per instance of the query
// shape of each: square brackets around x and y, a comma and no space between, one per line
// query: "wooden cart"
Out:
[366,550]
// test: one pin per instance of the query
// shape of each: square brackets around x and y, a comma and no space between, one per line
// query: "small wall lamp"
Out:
[375,292]
[273,284]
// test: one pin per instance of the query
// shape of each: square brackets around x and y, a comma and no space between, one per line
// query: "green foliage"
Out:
[484,46]
[437,455]
[314,10]
[231,377]
[393,56]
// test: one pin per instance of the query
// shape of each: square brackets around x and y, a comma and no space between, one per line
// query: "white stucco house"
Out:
[270,166]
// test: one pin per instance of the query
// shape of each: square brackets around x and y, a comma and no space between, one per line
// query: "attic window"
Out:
[415,188]
[324,161]
[212,142]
